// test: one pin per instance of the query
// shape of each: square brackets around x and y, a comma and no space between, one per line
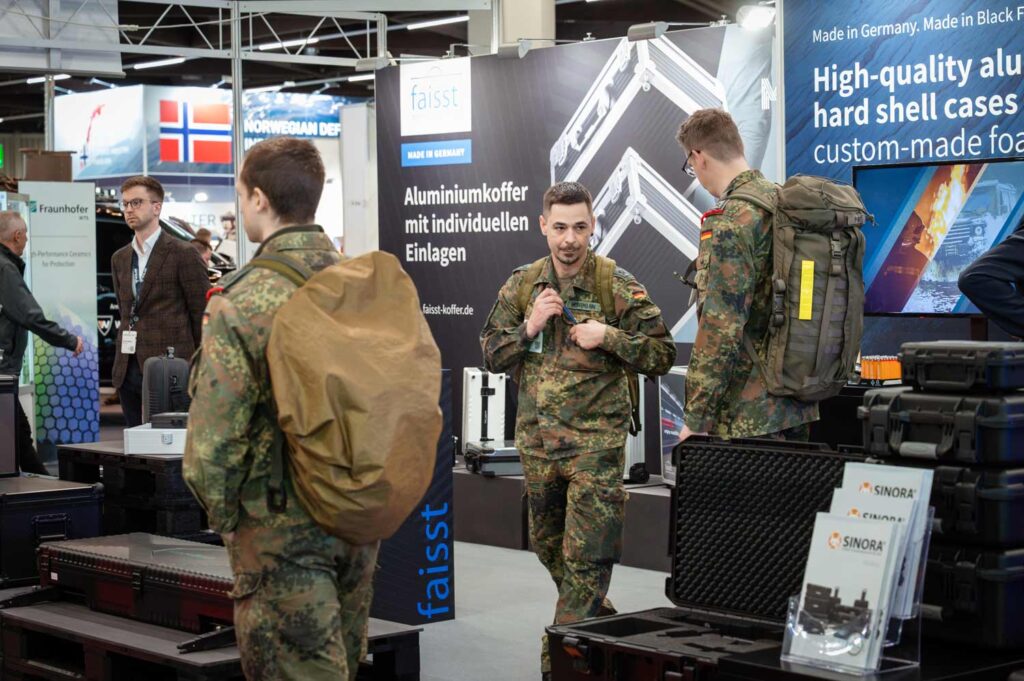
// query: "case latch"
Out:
[136,580]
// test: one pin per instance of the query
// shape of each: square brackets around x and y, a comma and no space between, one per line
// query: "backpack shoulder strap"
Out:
[526,286]
[605,279]
[289,268]
[759,201]
[297,273]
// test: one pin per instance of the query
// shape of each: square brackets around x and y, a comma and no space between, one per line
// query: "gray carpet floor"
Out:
[503,600]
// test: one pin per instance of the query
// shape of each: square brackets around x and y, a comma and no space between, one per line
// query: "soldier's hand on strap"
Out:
[547,305]
[588,335]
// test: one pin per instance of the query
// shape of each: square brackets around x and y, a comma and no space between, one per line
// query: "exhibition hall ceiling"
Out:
[575,20]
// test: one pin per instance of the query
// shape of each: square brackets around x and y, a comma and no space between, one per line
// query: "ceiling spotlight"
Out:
[461,18]
[42,79]
[160,62]
[200,197]
[755,17]
[63,90]
[268,88]
[97,81]
[360,77]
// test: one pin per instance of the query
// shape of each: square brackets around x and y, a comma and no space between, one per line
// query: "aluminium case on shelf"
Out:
[742,517]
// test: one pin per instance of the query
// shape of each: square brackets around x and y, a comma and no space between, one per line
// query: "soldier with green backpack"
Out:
[575,330]
[778,289]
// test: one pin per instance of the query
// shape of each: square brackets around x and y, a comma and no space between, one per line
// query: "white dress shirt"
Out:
[144,250]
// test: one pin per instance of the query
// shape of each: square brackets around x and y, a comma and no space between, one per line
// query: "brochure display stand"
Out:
[859,610]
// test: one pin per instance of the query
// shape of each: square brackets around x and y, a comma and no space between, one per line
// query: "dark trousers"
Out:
[28,460]
[130,394]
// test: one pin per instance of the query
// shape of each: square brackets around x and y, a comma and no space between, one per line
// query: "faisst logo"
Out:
[424,96]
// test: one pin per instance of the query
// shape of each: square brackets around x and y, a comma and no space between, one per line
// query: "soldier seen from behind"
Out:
[572,326]
[726,395]
[302,596]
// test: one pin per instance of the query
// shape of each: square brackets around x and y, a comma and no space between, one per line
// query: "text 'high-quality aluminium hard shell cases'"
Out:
[164,385]
[742,516]
[34,510]
[966,428]
[962,366]
[161,580]
[8,425]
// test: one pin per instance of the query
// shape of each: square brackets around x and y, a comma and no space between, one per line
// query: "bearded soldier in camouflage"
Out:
[302,596]
[725,393]
[549,325]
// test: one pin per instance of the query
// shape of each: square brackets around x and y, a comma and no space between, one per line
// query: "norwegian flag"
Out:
[194,133]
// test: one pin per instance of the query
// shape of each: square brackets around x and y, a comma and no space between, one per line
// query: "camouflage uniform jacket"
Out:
[573,400]
[232,419]
[725,394]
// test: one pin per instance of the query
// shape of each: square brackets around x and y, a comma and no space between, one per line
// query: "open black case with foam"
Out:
[742,517]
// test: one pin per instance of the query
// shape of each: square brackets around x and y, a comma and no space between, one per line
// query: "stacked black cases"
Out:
[742,518]
[963,416]
[144,493]
[34,510]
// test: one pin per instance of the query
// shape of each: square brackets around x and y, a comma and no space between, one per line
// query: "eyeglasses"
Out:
[687,168]
[136,204]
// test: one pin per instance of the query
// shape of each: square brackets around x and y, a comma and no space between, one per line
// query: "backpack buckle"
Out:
[277,499]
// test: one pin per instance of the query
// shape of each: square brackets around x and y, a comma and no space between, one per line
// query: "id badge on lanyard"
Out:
[130,337]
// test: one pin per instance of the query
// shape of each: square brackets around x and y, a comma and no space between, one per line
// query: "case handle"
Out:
[54,527]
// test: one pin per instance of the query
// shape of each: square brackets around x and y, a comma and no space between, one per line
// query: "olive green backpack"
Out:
[605,277]
[817,311]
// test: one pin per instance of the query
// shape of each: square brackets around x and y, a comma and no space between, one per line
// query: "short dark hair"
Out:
[201,246]
[712,131]
[204,235]
[155,188]
[290,172]
[567,194]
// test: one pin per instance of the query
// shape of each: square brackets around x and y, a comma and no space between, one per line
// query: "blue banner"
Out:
[443,153]
[881,82]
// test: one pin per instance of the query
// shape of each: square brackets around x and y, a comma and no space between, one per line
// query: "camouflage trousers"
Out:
[302,601]
[576,509]
[801,433]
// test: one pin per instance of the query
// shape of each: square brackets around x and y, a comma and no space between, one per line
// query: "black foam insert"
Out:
[744,513]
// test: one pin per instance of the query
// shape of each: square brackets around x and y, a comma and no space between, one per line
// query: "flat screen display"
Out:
[931,222]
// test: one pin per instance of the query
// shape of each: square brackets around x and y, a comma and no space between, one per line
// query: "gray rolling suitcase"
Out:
[164,385]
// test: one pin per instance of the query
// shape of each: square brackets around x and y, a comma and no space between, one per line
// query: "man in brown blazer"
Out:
[161,285]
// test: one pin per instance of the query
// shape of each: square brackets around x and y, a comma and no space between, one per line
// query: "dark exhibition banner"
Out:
[466,148]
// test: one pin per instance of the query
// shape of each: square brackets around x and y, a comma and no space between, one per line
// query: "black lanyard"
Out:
[137,276]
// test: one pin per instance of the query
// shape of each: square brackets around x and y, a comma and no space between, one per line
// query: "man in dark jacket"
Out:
[994,283]
[19,314]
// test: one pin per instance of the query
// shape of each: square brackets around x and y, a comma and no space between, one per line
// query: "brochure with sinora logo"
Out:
[855,504]
[897,482]
[847,593]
